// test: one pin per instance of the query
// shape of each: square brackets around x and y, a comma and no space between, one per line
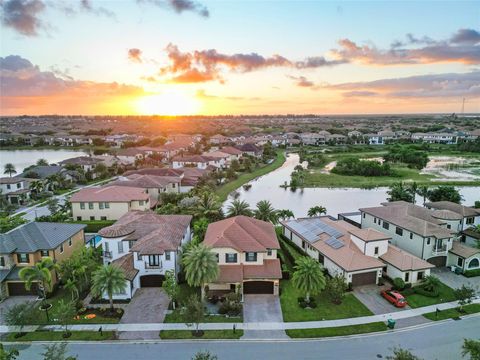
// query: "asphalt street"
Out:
[441,341]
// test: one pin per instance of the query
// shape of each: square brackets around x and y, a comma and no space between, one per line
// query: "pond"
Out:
[24,158]
[336,200]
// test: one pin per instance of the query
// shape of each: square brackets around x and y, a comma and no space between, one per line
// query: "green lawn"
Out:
[337,331]
[325,310]
[40,316]
[445,294]
[208,334]
[57,336]
[176,317]
[227,188]
[453,313]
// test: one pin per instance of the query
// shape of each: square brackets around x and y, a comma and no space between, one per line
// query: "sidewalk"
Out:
[250,325]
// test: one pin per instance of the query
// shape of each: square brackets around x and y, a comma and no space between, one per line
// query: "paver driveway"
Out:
[13,300]
[147,306]
[455,281]
[369,295]
[262,308]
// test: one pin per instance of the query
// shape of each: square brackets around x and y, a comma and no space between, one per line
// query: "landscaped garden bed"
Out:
[337,331]
[418,297]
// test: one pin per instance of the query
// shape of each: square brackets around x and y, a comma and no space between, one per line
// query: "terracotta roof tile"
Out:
[110,194]
[237,273]
[126,264]
[403,260]
[463,250]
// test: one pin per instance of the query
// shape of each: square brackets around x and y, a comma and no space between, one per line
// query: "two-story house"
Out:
[152,184]
[246,250]
[361,256]
[15,189]
[87,163]
[109,202]
[27,244]
[145,245]
[198,161]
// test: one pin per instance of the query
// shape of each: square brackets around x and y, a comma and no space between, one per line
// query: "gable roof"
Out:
[194,158]
[230,150]
[146,181]
[126,264]
[463,251]
[36,236]
[403,260]
[108,193]
[242,233]
[464,211]
[248,147]
[43,171]
[81,160]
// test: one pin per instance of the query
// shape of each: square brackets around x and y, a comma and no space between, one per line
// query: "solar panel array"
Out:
[310,230]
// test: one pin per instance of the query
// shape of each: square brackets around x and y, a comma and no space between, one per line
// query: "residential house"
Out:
[246,250]
[153,185]
[336,138]
[130,155]
[251,150]
[87,163]
[27,244]
[223,158]
[145,246]
[234,153]
[464,257]
[469,216]
[435,138]
[314,139]
[109,202]
[219,139]
[15,190]
[198,161]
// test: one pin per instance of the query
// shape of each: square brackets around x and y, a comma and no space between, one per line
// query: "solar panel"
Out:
[335,243]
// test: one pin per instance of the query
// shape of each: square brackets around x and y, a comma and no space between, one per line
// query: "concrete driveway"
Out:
[369,295]
[455,281]
[148,305]
[262,308]
[11,301]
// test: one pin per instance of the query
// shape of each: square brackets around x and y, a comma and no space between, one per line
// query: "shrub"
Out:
[472,273]
[422,291]
[398,284]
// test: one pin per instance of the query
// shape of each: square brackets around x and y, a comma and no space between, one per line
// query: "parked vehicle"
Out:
[394,297]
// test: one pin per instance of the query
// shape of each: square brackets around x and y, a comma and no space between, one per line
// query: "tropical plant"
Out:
[400,192]
[193,312]
[20,315]
[52,206]
[308,277]
[204,355]
[266,212]
[42,162]
[200,265]
[79,267]
[9,169]
[422,191]
[238,207]
[471,348]
[12,353]
[65,311]
[108,279]
[445,193]
[316,211]
[71,286]
[41,272]
[285,214]
[37,187]
[57,352]
[431,283]
[208,206]
[464,295]
[170,286]
[335,289]
[402,354]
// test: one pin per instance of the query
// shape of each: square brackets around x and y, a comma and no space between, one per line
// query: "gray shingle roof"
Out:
[43,171]
[36,236]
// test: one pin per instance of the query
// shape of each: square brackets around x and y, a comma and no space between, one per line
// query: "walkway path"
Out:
[252,325]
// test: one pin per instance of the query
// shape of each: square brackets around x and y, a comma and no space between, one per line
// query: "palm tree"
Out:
[37,187]
[413,187]
[208,206]
[41,272]
[308,277]
[431,283]
[316,211]
[71,285]
[201,266]
[238,207]
[285,214]
[423,191]
[42,162]
[266,212]
[9,169]
[400,192]
[108,279]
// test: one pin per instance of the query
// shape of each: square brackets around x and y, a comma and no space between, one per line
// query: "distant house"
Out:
[219,139]
[15,190]
[469,216]
[130,155]
[246,250]
[198,161]
[27,244]
[153,185]
[250,149]
[109,202]
[87,163]
[145,246]
[435,138]
[235,154]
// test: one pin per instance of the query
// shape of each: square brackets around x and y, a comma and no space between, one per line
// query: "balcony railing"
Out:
[439,250]
[107,254]
[157,267]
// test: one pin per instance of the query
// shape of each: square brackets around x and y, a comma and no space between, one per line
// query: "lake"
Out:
[336,200]
[24,158]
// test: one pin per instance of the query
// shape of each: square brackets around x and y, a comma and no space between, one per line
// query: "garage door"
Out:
[151,280]
[18,289]
[258,287]
[364,278]
[438,260]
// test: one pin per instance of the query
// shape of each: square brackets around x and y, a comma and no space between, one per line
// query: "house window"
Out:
[44,253]
[216,255]
[460,262]
[399,231]
[269,252]
[19,186]
[82,205]
[141,202]
[230,258]
[92,218]
[375,220]
[120,247]
[407,277]
[139,257]
[470,220]
[70,242]
[364,215]
[449,226]
[420,275]
[107,205]
[473,264]
[428,241]
[167,255]
[173,185]
[61,248]
[153,260]
[130,244]
[8,186]
[79,218]
[376,250]
[411,236]
[100,205]
[251,256]
[2,261]
[386,225]
[90,205]
[23,258]
[103,218]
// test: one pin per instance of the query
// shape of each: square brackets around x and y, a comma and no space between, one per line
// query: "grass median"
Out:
[207,334]
[337,331]
[58,336]
[453,313]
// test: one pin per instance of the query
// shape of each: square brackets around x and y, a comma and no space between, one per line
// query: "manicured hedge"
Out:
[472,273]
[421,291]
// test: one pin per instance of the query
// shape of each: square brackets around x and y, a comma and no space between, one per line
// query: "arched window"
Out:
[473,264]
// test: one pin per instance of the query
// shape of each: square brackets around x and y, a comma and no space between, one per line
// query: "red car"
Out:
[394,297]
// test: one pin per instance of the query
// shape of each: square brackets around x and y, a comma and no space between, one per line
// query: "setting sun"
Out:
[168,103]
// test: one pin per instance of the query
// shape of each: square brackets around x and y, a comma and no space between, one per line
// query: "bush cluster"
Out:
[353,166]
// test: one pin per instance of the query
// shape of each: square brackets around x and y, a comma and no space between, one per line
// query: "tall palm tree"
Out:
[285,214]
[71,285]
[413,188]
[316,211]
[208,206]
[266,212]
[399,191]
[238,207]
[200,265]
[41,273]
[308,277]
[37,187]
[423,191]
[108,279]
[9,169]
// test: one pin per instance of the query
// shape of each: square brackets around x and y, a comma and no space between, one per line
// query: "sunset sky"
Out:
[238,57]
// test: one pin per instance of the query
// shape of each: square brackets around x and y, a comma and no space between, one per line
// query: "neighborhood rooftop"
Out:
[462,210]
[110,194]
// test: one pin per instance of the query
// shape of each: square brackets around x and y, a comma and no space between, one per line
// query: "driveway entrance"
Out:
[262,308]
[369,295]
[455,281]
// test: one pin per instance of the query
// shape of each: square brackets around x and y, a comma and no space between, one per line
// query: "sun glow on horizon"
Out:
[170,102]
